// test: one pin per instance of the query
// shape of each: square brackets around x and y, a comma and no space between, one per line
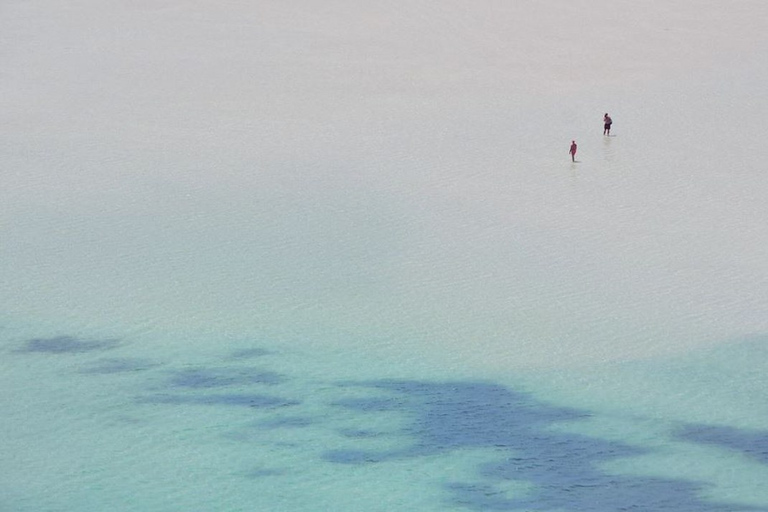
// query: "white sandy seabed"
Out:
[385,188]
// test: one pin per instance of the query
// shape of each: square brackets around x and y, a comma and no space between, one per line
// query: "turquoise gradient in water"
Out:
[104,423]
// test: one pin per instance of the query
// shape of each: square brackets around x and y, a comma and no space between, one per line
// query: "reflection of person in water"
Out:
[572,151]
[607,121]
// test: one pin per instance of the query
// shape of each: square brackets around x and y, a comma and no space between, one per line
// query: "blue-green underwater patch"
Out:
[119,365]
[286,422]
[229,399]
[249,353]
[563,469]
[66,345]
[750,443]
[223,377]
[377,422]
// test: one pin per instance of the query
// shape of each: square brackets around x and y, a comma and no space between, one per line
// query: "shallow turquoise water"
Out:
[94,423]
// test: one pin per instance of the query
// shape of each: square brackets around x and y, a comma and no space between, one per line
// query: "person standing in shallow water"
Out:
[572,151]
[607,121]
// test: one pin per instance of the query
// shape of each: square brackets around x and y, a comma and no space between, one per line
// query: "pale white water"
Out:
[381,191]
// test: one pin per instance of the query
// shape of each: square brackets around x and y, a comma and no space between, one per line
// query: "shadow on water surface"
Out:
[562,469]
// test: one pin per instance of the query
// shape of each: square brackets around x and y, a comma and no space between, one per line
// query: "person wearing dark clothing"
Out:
[572,151]
[607,121]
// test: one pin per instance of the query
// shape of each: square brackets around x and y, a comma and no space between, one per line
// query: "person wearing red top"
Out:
[572,151]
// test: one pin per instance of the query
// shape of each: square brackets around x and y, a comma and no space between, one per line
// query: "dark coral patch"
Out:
[249,353]
[262,473]
[287,422]
[563,471]
[751,443]
[66,345]
[119,365]
[201,378]
[244,400]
